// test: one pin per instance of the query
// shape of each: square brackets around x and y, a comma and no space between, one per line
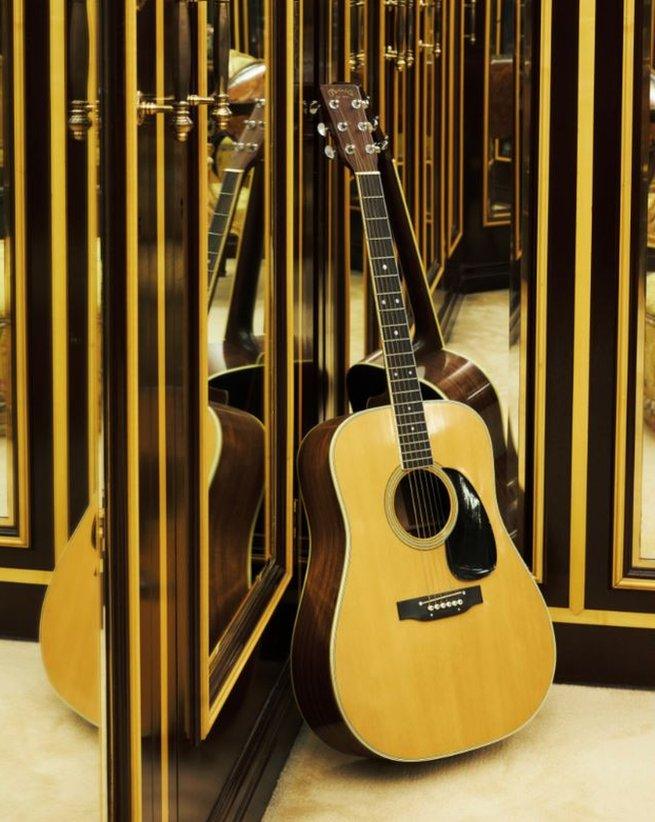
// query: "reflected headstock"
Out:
[248,144]
[350,126]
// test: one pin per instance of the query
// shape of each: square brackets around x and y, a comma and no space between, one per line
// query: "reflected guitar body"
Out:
[69,630]
[235,445]
[413,653]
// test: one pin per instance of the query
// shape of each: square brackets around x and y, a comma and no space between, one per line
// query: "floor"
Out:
[588,755]
[49,757]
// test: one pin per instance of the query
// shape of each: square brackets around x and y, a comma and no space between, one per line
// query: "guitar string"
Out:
[417,478]
[430,486]
[422,483]
[413,489]
[378,291]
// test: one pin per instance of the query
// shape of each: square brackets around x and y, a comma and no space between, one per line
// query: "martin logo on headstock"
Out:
[350,127]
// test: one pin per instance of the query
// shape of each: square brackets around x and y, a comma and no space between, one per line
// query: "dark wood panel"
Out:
[561,268]
[606,656]
[114,293]
[77,182]
[20,610]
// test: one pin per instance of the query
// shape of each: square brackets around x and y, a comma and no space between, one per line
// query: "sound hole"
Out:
[422,503]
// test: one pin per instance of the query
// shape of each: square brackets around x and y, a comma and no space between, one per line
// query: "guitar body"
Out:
[443,375]
[437,679]
[69,631]
[236,449]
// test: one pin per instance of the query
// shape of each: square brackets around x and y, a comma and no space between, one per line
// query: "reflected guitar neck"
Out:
[219,227]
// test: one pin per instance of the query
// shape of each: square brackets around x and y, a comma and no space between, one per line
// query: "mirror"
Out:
[240,572]
[642,311]
[13,445]
[50,680]
[498,112]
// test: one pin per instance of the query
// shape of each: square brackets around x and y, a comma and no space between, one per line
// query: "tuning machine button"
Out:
[313,107]
[329,152]
[322,129]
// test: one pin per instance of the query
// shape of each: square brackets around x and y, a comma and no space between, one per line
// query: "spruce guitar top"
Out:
[420,631]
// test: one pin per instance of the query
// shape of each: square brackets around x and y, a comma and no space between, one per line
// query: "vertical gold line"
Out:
[161,407]
[541,296]
[299,215]
[132,367]
[345,328]
[93,364]
[59,272]
[460,165]
[623,320]
[581,342]
[451,122]
[203,400]
[288,335]
[19,306]
[486,218]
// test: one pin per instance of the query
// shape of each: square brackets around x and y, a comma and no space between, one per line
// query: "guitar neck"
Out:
[400,363]
[219,227]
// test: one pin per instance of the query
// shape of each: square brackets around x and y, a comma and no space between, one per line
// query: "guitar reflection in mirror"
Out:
[234,282]
[235,419]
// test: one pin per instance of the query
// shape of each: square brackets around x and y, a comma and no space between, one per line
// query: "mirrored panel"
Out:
[642,311]
[51,643]
[498,111]
[13,445]
[243,571]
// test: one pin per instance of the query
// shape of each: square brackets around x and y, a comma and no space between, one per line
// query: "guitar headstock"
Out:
[247,146]
[350,126]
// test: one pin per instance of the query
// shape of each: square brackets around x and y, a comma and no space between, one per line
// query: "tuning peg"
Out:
[313,107]
[366,102]
[322,129]
[375,122]
[329,152]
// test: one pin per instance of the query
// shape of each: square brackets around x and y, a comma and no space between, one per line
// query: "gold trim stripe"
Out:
[59,273]
[613,619]
[581,341]
[161,404]
[541,296]
[131,309]
[25,576]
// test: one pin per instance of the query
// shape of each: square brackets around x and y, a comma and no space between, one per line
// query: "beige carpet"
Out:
[588,755]
[49,757]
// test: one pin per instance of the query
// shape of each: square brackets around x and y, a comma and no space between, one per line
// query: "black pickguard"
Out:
[471,547]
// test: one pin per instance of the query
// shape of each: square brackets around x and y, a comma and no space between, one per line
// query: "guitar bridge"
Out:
[439,606]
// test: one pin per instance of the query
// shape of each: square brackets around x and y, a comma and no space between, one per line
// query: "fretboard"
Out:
[219,225]
[404,385]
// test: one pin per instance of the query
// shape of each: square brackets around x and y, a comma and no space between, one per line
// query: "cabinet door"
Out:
[587,246]
[200,376]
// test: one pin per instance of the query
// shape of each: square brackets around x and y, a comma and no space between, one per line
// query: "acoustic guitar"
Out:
[420,632]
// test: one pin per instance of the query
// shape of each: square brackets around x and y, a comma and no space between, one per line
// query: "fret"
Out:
[424,449]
